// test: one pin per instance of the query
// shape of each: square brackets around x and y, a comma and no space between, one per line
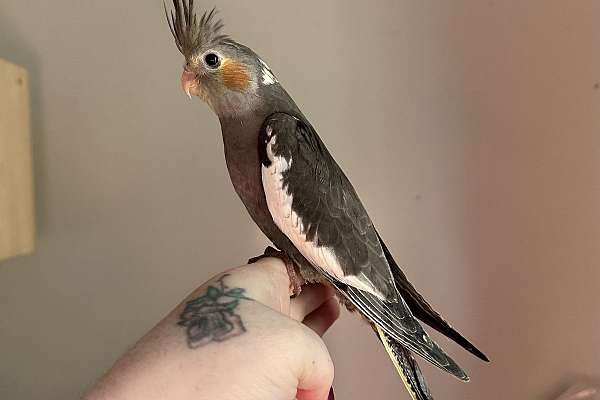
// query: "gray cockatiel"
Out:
[300,198]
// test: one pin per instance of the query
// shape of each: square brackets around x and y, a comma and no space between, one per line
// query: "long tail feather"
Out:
[397,321]
[423,311]
[407,367]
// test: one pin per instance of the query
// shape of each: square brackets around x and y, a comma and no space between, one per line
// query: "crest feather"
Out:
[191,34]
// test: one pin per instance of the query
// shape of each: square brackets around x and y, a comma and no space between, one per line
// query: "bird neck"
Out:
[267,100]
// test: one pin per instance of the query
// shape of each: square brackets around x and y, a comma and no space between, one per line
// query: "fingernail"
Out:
[331,395]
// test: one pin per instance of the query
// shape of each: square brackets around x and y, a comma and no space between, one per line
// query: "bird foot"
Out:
[293,270]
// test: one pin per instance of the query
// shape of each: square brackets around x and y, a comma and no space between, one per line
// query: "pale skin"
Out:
[270,346]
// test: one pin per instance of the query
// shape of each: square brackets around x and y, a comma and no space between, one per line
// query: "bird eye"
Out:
[212,60]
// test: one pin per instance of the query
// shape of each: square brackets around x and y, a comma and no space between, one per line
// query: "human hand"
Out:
[239,336]
[580,391]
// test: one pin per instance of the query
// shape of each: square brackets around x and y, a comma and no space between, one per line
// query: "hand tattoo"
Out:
[211,317]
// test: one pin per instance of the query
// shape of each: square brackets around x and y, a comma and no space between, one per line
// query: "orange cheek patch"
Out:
[235,75]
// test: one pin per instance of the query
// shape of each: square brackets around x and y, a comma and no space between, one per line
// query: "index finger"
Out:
[265,281]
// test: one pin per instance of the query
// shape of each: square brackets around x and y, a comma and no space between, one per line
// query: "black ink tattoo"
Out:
[211,317]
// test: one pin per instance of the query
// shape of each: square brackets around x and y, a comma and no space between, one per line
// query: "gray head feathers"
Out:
[189,33]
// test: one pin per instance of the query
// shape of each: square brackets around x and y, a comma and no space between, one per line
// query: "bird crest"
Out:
[190,33]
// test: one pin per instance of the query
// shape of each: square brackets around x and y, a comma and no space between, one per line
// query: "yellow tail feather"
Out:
[406,374]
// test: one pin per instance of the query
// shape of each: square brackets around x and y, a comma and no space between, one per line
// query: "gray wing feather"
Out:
[333,214]
[396,320]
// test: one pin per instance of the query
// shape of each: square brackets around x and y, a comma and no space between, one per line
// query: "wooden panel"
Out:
[17,226]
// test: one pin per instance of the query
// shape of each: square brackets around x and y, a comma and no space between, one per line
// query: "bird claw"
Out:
[293,271]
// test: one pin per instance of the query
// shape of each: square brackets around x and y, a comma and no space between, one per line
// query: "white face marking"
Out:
[267,75]
[279,202]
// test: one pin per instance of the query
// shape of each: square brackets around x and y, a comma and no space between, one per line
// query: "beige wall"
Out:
[471,129]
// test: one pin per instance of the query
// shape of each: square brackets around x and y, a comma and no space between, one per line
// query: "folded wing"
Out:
[315,206]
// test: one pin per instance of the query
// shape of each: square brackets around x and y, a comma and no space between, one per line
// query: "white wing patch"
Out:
[279,202]
[267,75]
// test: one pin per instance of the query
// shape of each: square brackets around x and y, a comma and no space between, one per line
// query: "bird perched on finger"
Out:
[300,198]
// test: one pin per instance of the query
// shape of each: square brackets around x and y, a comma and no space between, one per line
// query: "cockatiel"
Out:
[300,198]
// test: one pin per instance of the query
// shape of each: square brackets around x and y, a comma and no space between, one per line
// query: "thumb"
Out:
[315,369]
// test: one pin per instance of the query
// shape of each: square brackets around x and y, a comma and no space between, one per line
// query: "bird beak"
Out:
[189,84]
